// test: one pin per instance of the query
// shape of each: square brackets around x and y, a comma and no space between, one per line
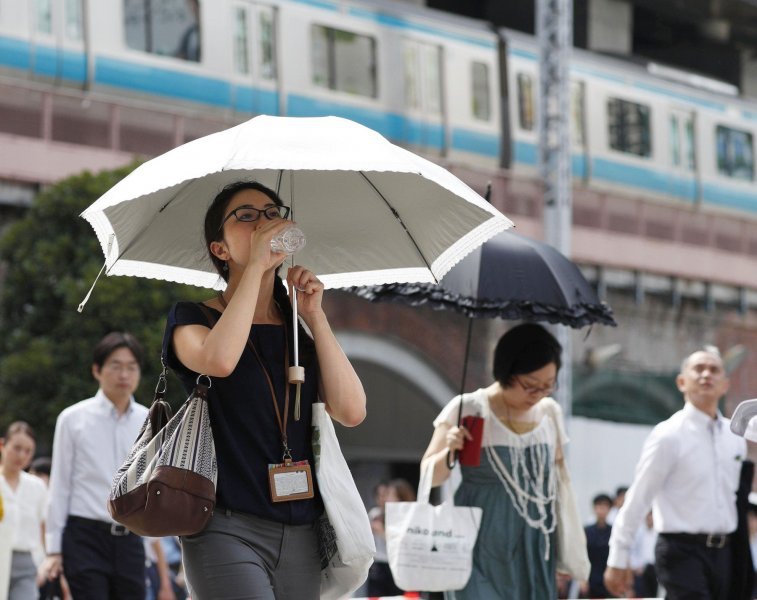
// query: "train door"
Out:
[683,160]
[58,41]
[424,122]
[256,66]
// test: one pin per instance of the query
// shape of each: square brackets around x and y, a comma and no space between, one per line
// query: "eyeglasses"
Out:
[117,367]
[545,390]
[248,214]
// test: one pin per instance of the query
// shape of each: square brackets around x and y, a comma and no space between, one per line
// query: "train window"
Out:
[735,153]
[432,86]
[629,127]
[165,27]
[412,85]
[675,141]
[682,140]
[526,109]
[43,16]
[577,114]
[480,96]
[74,20]
[267,45]
[689,144]
[241,46]
[265,51]
[344,61]
[423,82]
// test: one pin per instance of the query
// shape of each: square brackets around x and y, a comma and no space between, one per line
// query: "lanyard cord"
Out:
[282,423]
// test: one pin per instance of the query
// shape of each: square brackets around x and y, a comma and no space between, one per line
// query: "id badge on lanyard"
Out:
[290,481]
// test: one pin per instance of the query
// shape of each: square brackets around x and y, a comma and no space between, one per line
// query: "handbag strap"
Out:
[424,485]
[160,410]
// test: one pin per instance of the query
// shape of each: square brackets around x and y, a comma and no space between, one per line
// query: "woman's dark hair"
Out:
[41,465]
[524,349]
[112,342]
[405,492]
[19,427]
[217,211]
[213,233]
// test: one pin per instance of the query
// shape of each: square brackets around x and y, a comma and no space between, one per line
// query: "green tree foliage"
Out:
[51,257]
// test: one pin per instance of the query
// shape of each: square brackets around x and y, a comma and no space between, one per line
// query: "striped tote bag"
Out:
[167,485]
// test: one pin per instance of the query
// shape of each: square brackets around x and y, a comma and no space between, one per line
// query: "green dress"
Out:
[512,560]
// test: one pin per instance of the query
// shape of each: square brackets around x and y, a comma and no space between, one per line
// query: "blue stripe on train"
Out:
[43,60]
[397,127]
[648,178]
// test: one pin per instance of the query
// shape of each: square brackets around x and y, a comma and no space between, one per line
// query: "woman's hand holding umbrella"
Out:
[309,290]
[456,437]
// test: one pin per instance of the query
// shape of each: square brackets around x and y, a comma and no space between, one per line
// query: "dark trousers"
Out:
[690,570]
[381,582]
[645,585]
[102,566]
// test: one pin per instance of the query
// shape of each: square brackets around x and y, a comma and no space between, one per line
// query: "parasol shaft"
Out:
[296,372]
[451,455]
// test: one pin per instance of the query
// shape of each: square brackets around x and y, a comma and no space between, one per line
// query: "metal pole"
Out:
[554,27]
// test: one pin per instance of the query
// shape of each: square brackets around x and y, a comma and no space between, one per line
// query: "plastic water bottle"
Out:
[288,241]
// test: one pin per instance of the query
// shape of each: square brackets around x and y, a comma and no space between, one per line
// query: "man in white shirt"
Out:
[689,474]
[99,558]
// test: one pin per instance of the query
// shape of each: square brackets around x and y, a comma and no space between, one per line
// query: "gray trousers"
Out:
[242,557]
[23,583]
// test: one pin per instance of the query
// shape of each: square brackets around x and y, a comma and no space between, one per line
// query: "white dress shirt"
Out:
[24,510]
[689,473]
[90,444]
[642,552]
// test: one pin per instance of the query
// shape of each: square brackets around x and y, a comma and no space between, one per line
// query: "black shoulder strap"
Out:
[160,410]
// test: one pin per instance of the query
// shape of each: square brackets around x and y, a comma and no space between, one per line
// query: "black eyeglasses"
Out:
[531,389]
[248,214]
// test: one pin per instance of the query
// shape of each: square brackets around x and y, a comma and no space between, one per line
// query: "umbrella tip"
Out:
[488,192]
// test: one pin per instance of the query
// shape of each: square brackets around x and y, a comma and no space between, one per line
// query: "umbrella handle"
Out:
[451,459]
[296,372]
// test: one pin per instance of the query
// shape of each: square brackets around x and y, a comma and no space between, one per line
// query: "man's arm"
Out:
[165,592]
[61,474]
[657,460]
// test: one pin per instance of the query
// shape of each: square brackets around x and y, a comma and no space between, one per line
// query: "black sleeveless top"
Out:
[245,430]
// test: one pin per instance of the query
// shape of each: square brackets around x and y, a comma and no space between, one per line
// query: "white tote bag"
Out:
[430,547]
[345,536]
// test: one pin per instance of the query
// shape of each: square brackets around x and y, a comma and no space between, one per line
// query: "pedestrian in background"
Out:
[24,502]
[642,559]
[515,481]
[100,558]
[41,468]
[598,547]
[158,579]
[380,579]
[617,503]
[689,473]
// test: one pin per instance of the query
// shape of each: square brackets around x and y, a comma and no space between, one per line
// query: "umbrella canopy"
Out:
[372,212]
[512,277]
[744,420]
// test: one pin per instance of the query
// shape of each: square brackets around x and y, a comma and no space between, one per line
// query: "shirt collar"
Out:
[699,417]
[106,405]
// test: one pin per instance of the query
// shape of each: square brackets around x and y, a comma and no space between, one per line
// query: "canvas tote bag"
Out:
[571,555]
[430,547]
[344,530]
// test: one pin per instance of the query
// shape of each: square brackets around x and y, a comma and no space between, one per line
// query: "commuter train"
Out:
[449,87]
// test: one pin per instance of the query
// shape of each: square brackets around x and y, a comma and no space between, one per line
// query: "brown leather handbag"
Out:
[167,485]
